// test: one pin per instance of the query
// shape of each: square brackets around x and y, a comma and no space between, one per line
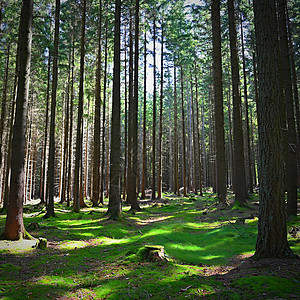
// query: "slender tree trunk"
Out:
[183,136]
[78,153]
[51,159]
[272,235]
[66,135]
[43,195]
[175,139]
[133,109]
[292,147]
[115,203]
[144,169]
[247,133]
[4,103]
[103,121]
[239,161]
[9,150]
[126,154]
[203,141]
[97,121]
[69,180]
[195,145]
[131,185]
[86,159]
[154,112]
[198,141]
[159,179]
[14,226]
[218,103]
[295,86]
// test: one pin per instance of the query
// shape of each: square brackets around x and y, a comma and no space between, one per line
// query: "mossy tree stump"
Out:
[152,253]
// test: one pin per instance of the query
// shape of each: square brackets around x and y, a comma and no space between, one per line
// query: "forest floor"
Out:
[208,252]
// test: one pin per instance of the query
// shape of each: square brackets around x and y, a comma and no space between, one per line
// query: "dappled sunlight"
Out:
[18,246]
[104,241]
[185,247]
[153,220]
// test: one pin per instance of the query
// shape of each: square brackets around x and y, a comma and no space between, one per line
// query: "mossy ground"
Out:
[90,257]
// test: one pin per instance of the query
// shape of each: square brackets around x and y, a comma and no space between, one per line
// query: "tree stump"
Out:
[152,253]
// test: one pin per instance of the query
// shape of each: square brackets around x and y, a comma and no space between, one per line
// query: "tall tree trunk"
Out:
[198,141]
[86,159]
[115,203]
[51,159]
[272,235]
[144,169]
[97,121]
[14,226]
[205,180]
[70,150]
[292,147]
[66,135]
[125,121]
[103,119]
[43,173]
[175,140]
[295,85]
[247,133]
[218,103]
[195,145]
[154,112]
[131,181]
[239,160]
[78,153]
[183,136]
[159,178]
[4,103]
[133,111]
[9,149]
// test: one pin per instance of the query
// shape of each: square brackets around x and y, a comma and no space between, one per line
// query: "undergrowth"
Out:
[91,257]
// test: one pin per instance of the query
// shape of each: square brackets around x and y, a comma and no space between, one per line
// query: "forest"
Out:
[149,149]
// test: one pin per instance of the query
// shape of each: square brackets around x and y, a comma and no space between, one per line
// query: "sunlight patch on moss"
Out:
[186,247]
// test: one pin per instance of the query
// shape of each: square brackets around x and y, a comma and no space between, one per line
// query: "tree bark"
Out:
[134,110]
[115,203]
[159,178]
[70,150]
[51,159]
[144,169]
[247,133]
[183,136]
[103,119]
[78,153]
[4,102]
[218,103]
[125,173]
[96,153]
[43,195]
[291,137]
[175,140]
[14,226]
[131,180]
[198,141]
[239,160]
[272,234]
[66,137]
[154,112]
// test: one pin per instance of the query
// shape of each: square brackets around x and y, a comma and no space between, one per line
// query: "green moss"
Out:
[99,258]
[259,285]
